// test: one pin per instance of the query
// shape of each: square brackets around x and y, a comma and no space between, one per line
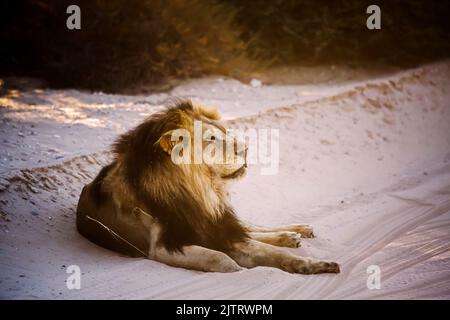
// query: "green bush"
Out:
[120,44]
[123,44]
[322,31]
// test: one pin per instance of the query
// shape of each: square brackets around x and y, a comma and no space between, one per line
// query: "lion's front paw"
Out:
[305,230]
[289,239]
[314,267]
[330,267]
[325,267]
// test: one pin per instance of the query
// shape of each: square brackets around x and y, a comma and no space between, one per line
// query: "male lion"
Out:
[144,204]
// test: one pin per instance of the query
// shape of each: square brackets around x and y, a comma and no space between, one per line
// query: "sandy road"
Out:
[366,163]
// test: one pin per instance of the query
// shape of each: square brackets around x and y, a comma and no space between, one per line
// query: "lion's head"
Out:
[162,160]
[200,141]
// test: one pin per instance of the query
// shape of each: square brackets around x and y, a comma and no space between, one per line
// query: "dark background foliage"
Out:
[125,43]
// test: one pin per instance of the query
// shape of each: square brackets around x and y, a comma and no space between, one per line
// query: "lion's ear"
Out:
[208,111]
[166,143]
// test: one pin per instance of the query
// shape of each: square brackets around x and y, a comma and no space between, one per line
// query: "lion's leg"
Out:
[278,238]
[197,258]
[305,230]
[253,253]
[191,257]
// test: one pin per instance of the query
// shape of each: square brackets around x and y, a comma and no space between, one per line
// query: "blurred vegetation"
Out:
[322,31]
[123,44]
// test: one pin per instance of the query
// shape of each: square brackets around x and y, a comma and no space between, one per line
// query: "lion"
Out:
[144,204]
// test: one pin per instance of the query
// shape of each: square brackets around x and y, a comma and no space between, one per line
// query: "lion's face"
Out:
[201,140]
[229,154]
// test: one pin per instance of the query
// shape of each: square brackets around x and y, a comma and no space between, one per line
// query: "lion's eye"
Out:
[213,138]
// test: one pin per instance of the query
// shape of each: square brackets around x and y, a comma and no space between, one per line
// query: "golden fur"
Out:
[145,204]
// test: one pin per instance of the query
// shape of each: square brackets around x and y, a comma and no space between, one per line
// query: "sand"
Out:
[366,163]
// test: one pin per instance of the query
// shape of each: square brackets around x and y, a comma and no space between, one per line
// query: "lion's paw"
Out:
[289,239]
[305,230]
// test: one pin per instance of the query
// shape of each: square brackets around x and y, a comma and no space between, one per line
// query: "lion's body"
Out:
[143,204]
[99,220]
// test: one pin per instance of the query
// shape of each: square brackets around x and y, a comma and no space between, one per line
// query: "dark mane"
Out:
[145,135]
[180,214]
